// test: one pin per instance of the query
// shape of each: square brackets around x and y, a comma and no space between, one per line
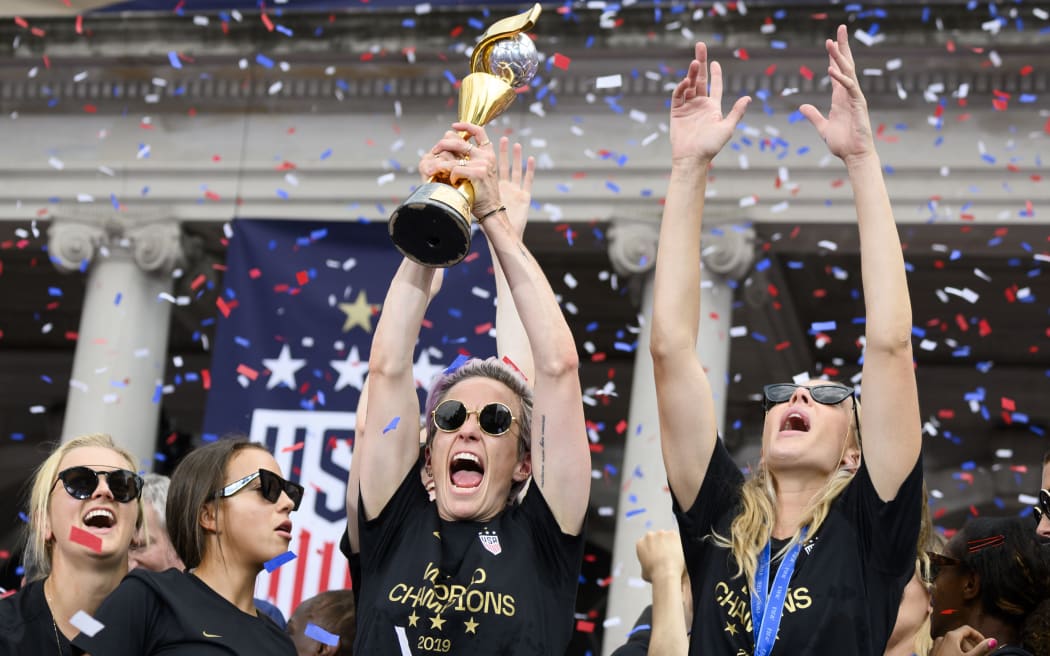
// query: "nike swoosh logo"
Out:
[210,635]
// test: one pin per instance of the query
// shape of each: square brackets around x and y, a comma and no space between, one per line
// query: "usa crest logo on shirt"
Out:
[490,541]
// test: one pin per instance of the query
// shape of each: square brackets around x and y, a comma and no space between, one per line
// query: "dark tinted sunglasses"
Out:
[1042,509]
[828,394]
[270,486]
[81,483]
[939,562]
[494,418]
[825,393]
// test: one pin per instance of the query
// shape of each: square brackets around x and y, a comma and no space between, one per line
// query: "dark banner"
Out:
[296,319]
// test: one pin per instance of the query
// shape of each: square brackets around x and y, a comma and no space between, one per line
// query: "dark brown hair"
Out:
[334,612]
[201,474]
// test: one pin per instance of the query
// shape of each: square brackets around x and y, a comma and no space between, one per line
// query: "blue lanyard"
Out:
[765,617]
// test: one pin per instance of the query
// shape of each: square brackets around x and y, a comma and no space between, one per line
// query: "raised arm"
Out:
[890,426]
[663,565]
[353,484]
[389,446]
[561,462]
[515,189]
[688,430]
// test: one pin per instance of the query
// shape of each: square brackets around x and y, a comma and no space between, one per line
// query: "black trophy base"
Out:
[432,227]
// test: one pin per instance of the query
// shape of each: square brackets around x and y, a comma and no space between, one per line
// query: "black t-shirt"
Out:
[846,588]
[27,627]
[507,586]
[354,561]
[176,614]
[638,639]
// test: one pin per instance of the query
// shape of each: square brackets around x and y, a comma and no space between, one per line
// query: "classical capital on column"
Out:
[728,250]
[632,246]
[72,243]
[153,242]
[156,246]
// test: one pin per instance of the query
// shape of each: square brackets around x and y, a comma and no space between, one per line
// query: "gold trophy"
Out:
[432,226]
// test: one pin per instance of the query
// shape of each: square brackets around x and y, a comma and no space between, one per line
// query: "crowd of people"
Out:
[825,547]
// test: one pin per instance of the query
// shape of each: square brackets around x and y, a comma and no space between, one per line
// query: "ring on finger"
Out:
[470,147]
[483,144]
[463,162]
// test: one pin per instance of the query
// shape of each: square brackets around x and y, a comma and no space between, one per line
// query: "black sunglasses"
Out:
[270,486]
[81,483]
[824,393]
[494,418]
[1042,509]
[938,562]
[827,393]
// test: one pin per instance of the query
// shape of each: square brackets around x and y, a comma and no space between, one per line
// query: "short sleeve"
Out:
[888,530]
[128,616]
[559,554]
[379,535]
[719,494]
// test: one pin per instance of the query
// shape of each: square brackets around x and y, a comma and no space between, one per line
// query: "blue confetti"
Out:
[456,364]
[173,59]
[320,635]
[272,564]
[392,425]
[263,60]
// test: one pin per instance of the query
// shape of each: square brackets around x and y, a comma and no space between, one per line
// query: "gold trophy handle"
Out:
[501,29]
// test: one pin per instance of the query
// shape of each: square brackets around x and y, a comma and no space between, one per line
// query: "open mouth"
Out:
[466,470]
[795,421]
[285,529]
[100,518]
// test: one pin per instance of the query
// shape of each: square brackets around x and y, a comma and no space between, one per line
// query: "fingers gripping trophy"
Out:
[432,226]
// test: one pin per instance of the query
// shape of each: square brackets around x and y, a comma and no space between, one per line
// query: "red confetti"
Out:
[206,379]
[267,22]
[302,277]
[89,540]
[1009,404]
[298,446]
[583,626]
[805,72]
[245,370]
[561,61]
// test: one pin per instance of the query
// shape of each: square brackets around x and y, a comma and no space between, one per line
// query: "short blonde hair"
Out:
[37,559]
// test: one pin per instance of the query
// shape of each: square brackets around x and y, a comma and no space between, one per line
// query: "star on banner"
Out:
[437,622]
[351,371]
[424,370]
[283,368]
[358,313]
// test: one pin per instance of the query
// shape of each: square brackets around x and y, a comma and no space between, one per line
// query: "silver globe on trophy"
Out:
[432,226]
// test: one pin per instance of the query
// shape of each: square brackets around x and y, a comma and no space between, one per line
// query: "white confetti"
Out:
[88,625]
[609,81]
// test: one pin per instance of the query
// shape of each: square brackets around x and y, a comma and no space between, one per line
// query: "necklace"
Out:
[54,625]
[58,643]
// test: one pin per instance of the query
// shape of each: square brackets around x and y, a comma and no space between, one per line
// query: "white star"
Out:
[351,371]
[283,368]
[424,370]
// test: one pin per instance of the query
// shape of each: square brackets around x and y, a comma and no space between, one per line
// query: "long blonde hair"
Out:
[39,548]
[752,527]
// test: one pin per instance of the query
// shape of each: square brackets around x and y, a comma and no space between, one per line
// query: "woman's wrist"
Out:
[481,216]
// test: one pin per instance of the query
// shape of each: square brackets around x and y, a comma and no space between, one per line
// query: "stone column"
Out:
[118,368]
[645,502]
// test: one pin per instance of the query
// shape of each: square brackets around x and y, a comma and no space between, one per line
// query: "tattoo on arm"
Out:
[543,450]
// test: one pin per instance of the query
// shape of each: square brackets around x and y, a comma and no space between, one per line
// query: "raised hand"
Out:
[660,553]
[456,158]
[847,128]
[698,128]
[515,184]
